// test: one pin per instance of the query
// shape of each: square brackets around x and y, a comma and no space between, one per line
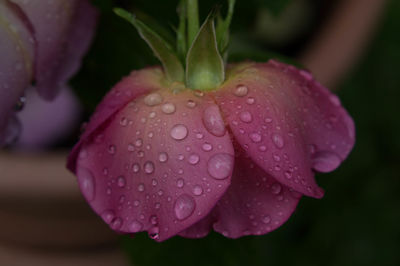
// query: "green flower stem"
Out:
[193,20]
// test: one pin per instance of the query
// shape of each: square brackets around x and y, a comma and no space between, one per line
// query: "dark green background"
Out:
[358,221]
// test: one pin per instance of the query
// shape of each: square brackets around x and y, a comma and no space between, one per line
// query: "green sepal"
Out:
[162,49]
[205,68]
[181,36]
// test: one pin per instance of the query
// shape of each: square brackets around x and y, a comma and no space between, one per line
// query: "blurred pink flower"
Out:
[173,161]
[41,41]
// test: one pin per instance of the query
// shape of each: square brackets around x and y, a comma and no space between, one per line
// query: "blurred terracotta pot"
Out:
[44,218]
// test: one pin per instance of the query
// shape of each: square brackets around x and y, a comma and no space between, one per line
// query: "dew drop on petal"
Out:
[153,99]
[121,181]
[207,147]
[255,137]
[276,188]
[148,167]
[194,158]
[140,187]
[168,108]
[108,216]
[278,140]
[135,168]
[220,166]
[111,149]
[250,100]
[86,183]
[163,157]
[246,117]
[180,183]
[116,223]
[184,206]
[266,219]
[241,91]
[191,104]
[213,121]
[179,132]
[197,190]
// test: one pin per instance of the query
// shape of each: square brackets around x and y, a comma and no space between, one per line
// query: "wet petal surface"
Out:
[289,124]
[255,204]
[155,166]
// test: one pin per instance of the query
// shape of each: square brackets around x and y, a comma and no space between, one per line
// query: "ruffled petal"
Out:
[254,204]
[288,123]
[16,53]
[63,31]
[156,166]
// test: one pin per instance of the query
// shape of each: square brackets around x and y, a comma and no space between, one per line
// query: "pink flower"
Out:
[173,161]
[41,41]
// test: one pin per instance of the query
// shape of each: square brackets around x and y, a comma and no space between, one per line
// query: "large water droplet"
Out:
[148,167]
[184,206]
[86,183]
[278,140]
[168,108]
[220,166]
[179,132]
[153,99]
[325,161]
[241,91]
[207,147]
[213,121]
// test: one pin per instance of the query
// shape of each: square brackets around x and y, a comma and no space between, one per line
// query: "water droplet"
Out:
[163,157]
[191,104]
[250,101]
[180,183]
[184,206]
[153,220]
[220,166]
[255,137]
[86,183]
[278,140]
[266,219]
[153,99]
[108,216]
[154,233]
[135,168]
[121,181]
[111,149]
[140,187]
[123,122]
[207,147]
[135,226]
[194,159]
[213,121]
[148,167]
[276,188]
[325,161]
[262,148]
[288,175]
[131,147]
[116,223]
[168,108]
[179,132]
[241,91]
[139,143]
[268,120]
[197,190]
[246,117]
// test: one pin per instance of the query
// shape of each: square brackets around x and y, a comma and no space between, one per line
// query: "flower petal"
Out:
[130,87]
[155,166]
[254,204]
[63,31]
[287,122]
[16,53]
